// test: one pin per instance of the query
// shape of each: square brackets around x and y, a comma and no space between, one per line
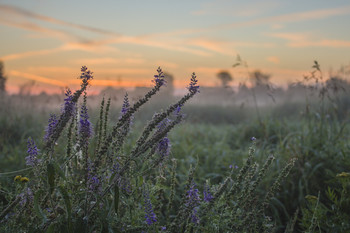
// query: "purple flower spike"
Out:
[193,201]
[68,106]
[193,87]
[86,74]
[164,147]
[85,125]
[51,126]
[150,216]
[159,79]
[252,138]
[206,193]
[31,159]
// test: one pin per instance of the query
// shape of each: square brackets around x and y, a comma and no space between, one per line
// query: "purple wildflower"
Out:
[163,228]
[126,105]
[86,74]
[159,79]
[150,216]
[252,138]
[206,193]
[68,106]
[26,197]
[85,125]
[193,201]
[125,185]
[51,126]
[163,147]
[94,182]
[31,159]
[235,166]
[193,87]
[125,109]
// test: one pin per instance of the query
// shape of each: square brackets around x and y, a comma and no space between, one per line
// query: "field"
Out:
[281,167]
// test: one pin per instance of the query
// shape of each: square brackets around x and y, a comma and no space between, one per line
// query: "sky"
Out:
[124,42]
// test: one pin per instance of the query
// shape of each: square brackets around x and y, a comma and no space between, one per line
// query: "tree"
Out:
[2,78]
[259,79]
[224,77]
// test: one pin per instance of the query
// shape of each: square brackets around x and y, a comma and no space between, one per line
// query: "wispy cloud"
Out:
[222,46]
[306,40]
[229,8]
[16,11]
[109,60]
[16,56]
[272,20]
[273,59]
[37,78]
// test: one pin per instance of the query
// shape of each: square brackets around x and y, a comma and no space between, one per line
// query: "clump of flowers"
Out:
[32,158]
[51,126]
[149,213]
[69,105]
[85,129]
[207,196]
[193,201]
[193,87]
[159,78]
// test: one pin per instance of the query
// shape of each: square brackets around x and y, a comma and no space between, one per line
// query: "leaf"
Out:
[50,229]
[116,198]
[51,176]
[68,206]
[37,209]
[59,171]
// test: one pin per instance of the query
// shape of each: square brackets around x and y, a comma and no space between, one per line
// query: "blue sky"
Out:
[124,42]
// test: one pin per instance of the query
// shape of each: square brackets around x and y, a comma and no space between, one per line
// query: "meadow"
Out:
[189,167]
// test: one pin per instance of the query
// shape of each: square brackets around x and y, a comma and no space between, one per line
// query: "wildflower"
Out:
[26,197]
[126,105]
[24,179]
[86,74]
[125,109]
[193,201]
[69,105]
[343,174]
[163,147]
[252,138]
[17,178]
[51,126]
[85,125]
[231,166]
[94,182]
[206,193]
[31,159]
[150,216]
[163,228]
[193,87]
[159,79]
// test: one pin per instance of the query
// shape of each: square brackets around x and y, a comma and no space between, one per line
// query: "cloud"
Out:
[273,59]
[285,18]
[16,56]
[16,11]
[37,78]
[299,40]
[224,47]
[109,60]
[230,8]
[29,26]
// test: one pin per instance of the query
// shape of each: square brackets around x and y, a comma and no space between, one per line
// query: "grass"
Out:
[203,148]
